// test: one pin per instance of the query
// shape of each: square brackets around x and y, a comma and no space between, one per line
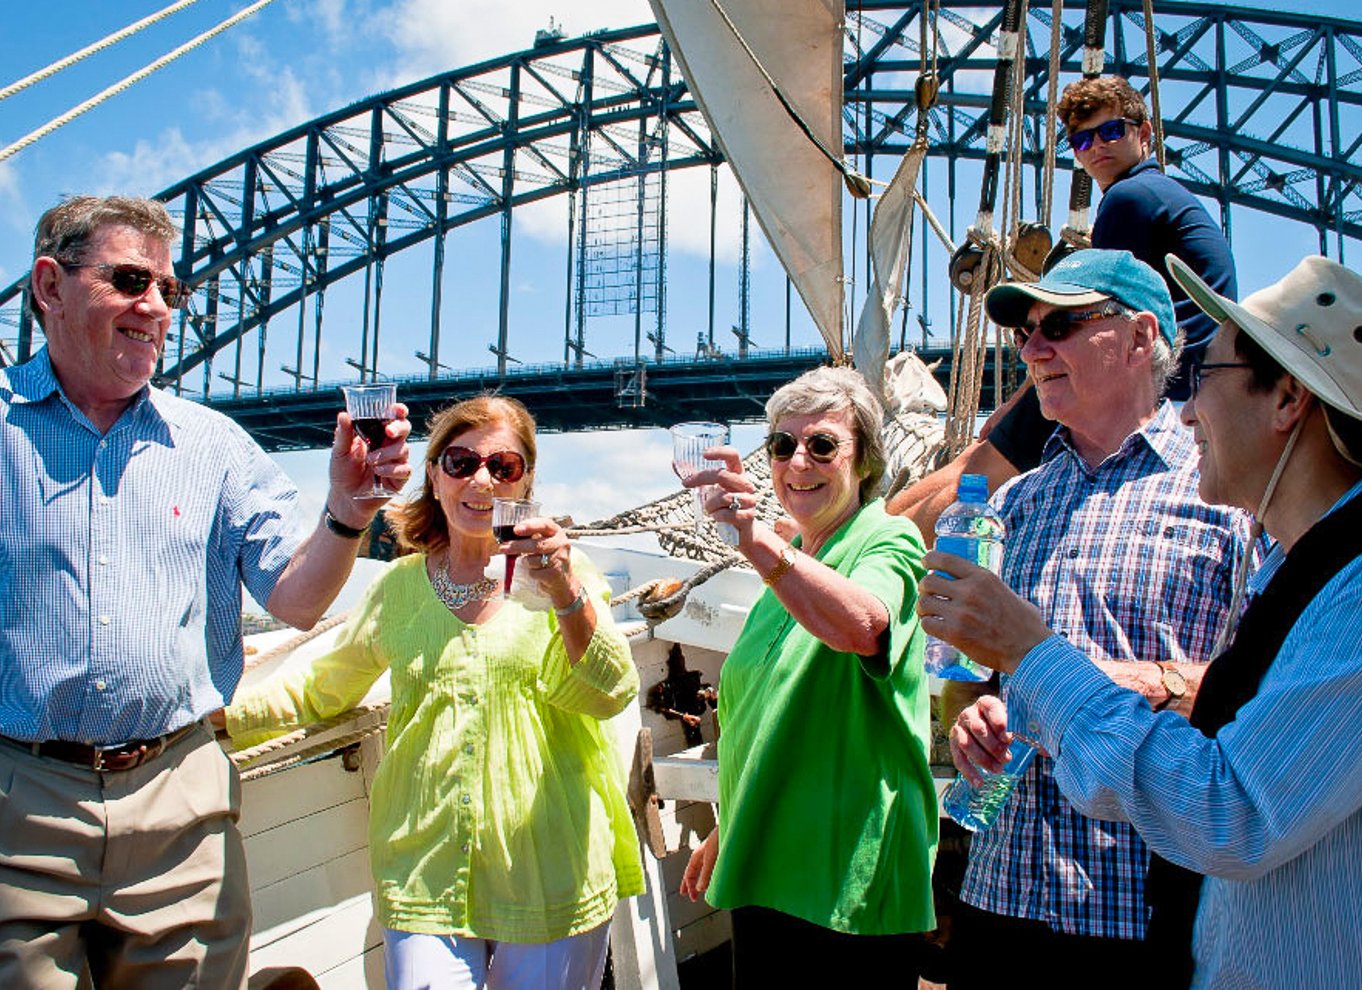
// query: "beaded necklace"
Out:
[456,596]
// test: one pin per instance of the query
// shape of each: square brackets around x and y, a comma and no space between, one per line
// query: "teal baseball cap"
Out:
[1085,278]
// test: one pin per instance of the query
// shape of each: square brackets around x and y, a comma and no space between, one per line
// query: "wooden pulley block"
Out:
[1031,244]
[965,270]
[925,90]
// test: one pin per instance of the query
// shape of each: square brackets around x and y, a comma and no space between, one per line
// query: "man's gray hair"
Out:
[825,390]
[1164,363]
[65,231]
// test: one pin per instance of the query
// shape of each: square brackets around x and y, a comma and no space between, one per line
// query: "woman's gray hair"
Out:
[825,390]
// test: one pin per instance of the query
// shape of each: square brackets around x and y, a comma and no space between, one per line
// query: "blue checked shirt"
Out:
[1270,809]
[1126,563]
[122,559]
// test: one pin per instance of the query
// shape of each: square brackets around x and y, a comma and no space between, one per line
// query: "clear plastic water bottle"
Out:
[977,808]
[969,528]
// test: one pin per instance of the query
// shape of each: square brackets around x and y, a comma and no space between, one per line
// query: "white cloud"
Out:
[436,35]
[157,162]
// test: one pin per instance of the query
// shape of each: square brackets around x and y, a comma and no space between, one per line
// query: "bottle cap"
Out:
[973,488]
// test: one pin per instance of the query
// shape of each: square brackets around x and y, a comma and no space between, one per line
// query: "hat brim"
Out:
[1009,304]
[1270,338]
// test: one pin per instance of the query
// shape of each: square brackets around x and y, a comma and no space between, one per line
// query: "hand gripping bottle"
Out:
[977,808]
[969,528]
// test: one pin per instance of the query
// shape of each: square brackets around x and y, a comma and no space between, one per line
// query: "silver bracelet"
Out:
[576,605]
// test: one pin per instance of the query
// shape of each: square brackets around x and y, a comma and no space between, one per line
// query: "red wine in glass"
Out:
[371,410]
[374,431]
[506,514]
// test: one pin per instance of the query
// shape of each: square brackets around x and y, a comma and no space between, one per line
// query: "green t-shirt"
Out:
[827,808]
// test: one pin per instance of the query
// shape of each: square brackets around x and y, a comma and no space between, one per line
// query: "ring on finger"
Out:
[734,503]
[544,560]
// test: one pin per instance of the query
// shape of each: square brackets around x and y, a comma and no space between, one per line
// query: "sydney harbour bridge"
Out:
[299,245]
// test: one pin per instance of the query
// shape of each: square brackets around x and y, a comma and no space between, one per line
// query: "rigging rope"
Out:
[1051,96]
[857,184]
[129,81]
[1154,81]
[89,50]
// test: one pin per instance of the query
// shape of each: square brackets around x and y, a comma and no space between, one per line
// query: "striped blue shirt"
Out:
[1270,809]
[1126,563]
[122,559]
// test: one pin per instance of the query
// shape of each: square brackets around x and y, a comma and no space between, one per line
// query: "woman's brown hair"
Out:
[419,524]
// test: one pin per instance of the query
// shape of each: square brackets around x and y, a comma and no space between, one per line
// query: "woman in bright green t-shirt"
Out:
[499,837]
[827,810]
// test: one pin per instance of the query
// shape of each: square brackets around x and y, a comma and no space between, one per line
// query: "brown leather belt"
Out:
[107,759]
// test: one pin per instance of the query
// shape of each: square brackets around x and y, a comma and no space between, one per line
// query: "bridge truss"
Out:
[1262,111]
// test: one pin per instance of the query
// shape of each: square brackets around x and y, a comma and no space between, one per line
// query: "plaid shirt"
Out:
[1126,563]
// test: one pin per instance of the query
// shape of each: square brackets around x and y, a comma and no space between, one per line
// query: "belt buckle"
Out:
[114,759]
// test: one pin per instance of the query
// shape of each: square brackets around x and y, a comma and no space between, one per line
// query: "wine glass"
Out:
[507,513]
[689,443]
[371,409]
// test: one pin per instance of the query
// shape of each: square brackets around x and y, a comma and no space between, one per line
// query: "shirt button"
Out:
[468,749]
[103,559]
[100,685]
[103,500]
[466,799]
[1073,552]
[104,620]
[465,847]
[472,699]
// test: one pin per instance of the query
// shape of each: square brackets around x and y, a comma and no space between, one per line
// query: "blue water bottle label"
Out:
[958,546]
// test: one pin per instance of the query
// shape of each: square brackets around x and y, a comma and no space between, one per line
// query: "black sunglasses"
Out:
[503,465]
[1108,131]
[134,281]
[821,447]
[1059,324]
[1198,371]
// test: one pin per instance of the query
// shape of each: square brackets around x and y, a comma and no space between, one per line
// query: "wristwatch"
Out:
[1173,682]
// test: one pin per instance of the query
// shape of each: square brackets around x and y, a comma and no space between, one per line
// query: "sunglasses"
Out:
[134,281]
[1198,371]
[1108,131]
[503,465]
[1059,324]
[821,447]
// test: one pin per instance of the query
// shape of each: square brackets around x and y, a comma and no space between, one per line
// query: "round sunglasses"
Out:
[135,281]
[1108,131]
[504,466]
[821,447]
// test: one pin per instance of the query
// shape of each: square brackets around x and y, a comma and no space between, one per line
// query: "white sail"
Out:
[891,235]
[794,191]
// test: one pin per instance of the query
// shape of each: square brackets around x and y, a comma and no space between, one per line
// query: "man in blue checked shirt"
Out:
[132,519]
[1108,539]
[1261,792]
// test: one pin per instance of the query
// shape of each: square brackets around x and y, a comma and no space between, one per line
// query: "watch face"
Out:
[1174,682]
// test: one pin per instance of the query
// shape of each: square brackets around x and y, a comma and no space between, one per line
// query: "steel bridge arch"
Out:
[1270,119]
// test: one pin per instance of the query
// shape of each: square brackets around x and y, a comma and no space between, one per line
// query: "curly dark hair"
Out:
[1086,97]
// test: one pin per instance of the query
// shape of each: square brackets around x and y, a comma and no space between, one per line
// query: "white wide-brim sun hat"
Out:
[1310,322]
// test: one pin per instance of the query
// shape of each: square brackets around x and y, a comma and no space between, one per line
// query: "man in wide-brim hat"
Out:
[1261,791]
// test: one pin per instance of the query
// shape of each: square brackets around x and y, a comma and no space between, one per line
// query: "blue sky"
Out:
[299,58]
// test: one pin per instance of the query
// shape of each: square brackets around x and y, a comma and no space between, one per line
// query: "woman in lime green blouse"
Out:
[500,839]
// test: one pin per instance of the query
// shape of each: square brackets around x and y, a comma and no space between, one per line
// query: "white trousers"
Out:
[454,962]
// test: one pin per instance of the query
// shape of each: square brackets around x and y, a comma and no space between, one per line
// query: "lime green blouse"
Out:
[498,810]
[827,810]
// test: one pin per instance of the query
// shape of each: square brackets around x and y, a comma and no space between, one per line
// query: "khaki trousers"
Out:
[134,879]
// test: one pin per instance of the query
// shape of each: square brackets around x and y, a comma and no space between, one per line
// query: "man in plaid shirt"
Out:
[1109,539]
